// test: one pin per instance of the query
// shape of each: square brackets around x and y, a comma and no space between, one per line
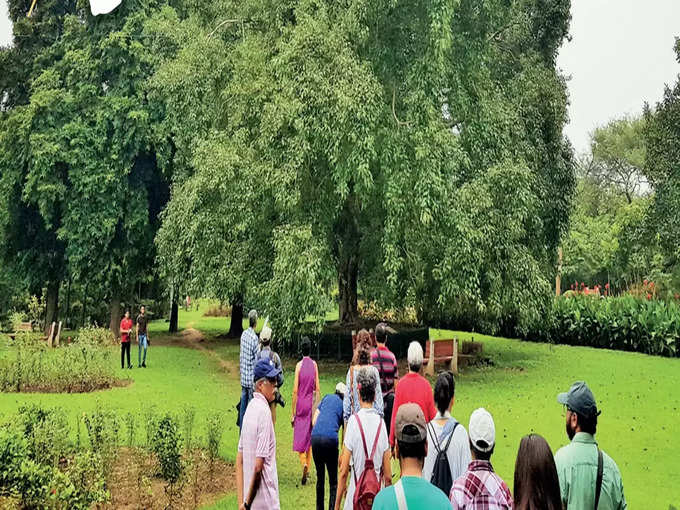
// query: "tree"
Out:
[663,164]
[364,145]
[89,179]
[618,156]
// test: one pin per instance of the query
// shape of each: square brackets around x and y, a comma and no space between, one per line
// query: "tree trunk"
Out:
[51,306]
[349,237]
[348,312]
[114,325]
[174,311]
[236,325]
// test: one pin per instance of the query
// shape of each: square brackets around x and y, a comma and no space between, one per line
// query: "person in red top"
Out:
[413,387]
[125,329]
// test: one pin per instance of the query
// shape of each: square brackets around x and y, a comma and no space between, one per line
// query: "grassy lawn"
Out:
[637,394]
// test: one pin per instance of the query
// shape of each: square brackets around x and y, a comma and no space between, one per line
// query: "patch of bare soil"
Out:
[134,484]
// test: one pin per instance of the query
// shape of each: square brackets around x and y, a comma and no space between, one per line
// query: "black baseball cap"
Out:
[580,400]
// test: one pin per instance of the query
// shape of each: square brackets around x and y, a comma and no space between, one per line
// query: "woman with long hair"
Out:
[537,486]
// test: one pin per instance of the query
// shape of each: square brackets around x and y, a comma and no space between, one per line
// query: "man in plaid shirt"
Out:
[480,488]
[247,359]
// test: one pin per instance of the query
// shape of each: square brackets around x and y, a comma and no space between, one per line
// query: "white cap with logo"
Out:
[482,430]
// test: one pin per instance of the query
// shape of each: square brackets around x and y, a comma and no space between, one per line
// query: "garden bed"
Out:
[201,489]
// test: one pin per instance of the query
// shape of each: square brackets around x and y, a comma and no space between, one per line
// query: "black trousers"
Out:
[388,402]
[325,454]
[124,349]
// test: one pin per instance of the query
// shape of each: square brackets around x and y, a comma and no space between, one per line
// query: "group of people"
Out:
[375,416]
[142,334]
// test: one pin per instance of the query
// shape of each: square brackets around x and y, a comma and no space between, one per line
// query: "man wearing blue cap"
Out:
[589,478]
[257,480]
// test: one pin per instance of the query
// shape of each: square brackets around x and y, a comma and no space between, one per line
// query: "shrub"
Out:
[46,434]
[15,319]
[36,485]
[91,335]
[188,418]
[218,311]
[102,430]
[31,366]
[623,323]
[213,438]
[166,445]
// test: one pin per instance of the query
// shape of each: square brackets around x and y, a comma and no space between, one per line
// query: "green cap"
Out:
[579,399]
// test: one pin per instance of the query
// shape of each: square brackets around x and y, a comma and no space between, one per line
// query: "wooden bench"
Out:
[446,351]
[24,327]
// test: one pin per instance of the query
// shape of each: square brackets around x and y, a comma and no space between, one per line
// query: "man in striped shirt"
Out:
[384,360]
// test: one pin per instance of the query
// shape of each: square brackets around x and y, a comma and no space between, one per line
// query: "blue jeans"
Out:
[246,397]
[143,343]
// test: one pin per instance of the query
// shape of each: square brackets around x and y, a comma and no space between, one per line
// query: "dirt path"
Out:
[193,339]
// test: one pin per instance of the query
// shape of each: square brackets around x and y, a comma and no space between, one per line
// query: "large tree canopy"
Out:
[79,182]
[412,150]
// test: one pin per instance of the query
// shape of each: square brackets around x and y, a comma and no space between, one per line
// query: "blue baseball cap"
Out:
[266,368]
[579,399]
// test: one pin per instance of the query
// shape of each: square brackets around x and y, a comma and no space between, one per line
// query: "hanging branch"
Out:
[224,23]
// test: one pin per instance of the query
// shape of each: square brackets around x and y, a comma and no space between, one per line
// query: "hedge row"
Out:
[623,323]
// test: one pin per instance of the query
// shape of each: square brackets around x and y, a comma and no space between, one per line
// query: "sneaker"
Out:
[129,367]
[144,365]
[304,475]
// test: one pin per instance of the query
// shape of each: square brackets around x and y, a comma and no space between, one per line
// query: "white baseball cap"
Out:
[482,430]
[341,388]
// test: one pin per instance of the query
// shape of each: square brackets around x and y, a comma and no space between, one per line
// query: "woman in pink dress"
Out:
[306,391]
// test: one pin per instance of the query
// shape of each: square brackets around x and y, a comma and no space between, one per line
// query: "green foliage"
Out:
[619,155]
[350,142]
[166,444]
[35,471]
[46,433]
[188,418]
[623,323]
[130,427]
[214,432]
[79,367]
[662,137]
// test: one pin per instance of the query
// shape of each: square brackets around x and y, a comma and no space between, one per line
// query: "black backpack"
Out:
[441,471]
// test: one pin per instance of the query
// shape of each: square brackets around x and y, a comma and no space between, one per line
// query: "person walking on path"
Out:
[365,433]
[413,387]
[480,488]
[125,330]
[589,478]
[247,359]
[306,391]
[385,362]
[326,423]
[257,480]
[536,483]
[362,356]
[142,336]
[412,491]
[446,436]
[265,351]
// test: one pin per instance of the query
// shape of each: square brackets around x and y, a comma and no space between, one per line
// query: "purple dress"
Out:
[302,433]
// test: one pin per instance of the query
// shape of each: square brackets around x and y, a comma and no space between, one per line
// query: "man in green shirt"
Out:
[581,464]
[411,492]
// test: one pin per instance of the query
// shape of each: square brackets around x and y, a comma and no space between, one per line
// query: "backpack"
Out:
[441,471]
[268,355]
[367,486]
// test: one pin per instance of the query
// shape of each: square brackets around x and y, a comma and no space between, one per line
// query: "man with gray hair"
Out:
[413,387]
[247,360]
